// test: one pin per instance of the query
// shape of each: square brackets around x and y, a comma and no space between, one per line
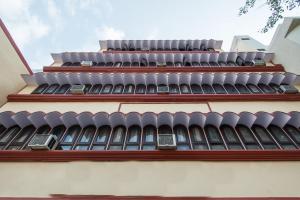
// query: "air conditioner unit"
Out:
[145,49]
[161,64]
[258,62]
[166,141]
[288,89]
[77,89]
[43,142]
[163,89]
[86,63]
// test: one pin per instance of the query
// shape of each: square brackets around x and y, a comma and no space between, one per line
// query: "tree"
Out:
[277,7]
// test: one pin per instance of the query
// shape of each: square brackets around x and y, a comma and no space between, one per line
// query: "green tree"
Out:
[277,7]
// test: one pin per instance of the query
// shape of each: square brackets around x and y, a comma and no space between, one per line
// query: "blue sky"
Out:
[41,27]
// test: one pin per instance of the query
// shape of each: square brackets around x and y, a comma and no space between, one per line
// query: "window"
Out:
[182,139]
[231,64]
[7,135]
[178,64]
[126,64]
[135,64]
[51,89]
[242,89]
[170,64]
[195,64]
[196,89]
[40,89]
[109,64]
[151,89]
[230,89]
[214,138]
[293,132]
[58,131]
[101,138]
[152,64]
[213,64]
[95,89]
[162,89]
[185,89]
[253,88]
[207,89]
[266,89]
[204,64]
[70,137]
[43,130]
[231,138]
[222,64]
[198,138]
[63,89]
[149,138]
[107,89]
[173,89]
[133,138]
[245,38]
[87,88]
[85,138]
[165,129]
[140,89]
[281,137]
[264,137]
[118,89]
[2,129]
[219,89]
[247,137]
[275,87]
[21,138]
[144,62]
[129,89]
[117,138]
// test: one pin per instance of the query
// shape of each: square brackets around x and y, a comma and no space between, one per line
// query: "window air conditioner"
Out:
[86,63]
[77,89]
[163,89]
[43,142]
[161,64]
[166,141]
[258,62]
[288,89]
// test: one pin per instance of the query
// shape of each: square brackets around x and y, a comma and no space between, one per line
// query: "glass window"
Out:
[7,135]
[71,134]
[266,89]
[140,89]
[117,64]
[102,135]
[231,137]
[219,89]
[95,89]
[185,89]
[109,64]
[170,64]
[247,137]
[133,138]
[182,139]
[214,138]
[231,64]
[275,87]
[207,89]
[51,89]
[149,134]
[126,64]
[118,89]
[2,129]
[253,88]
[264,137]
[165,129]
[178,64]
[230,89]
[129,89]
[87,88]
[87,135]
[281,137]
[152,64]
[222,64]
[58,131]
[135,64]
[293,132]
[242,89]
[204,64]
[107,89]
[196,89]
[195,64]
[40,89]
[117,138]
[213,64]
[43,130]
[173,89]
[63,89]
[22,137]
[151,89]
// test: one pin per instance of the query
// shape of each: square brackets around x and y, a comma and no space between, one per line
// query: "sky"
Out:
[42,27]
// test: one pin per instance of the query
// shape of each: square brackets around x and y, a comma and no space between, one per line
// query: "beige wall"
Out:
[94,107]
[218,179]
[11,69]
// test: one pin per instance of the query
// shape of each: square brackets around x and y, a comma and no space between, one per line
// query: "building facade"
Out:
[151,119]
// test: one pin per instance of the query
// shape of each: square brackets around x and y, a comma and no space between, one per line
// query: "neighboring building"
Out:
[245,43]
[151,119]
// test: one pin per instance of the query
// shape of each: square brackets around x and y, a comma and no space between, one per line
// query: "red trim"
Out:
[165,155]
[150,98]
[153,51]
[113,197]
[12,42]
[276,68]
